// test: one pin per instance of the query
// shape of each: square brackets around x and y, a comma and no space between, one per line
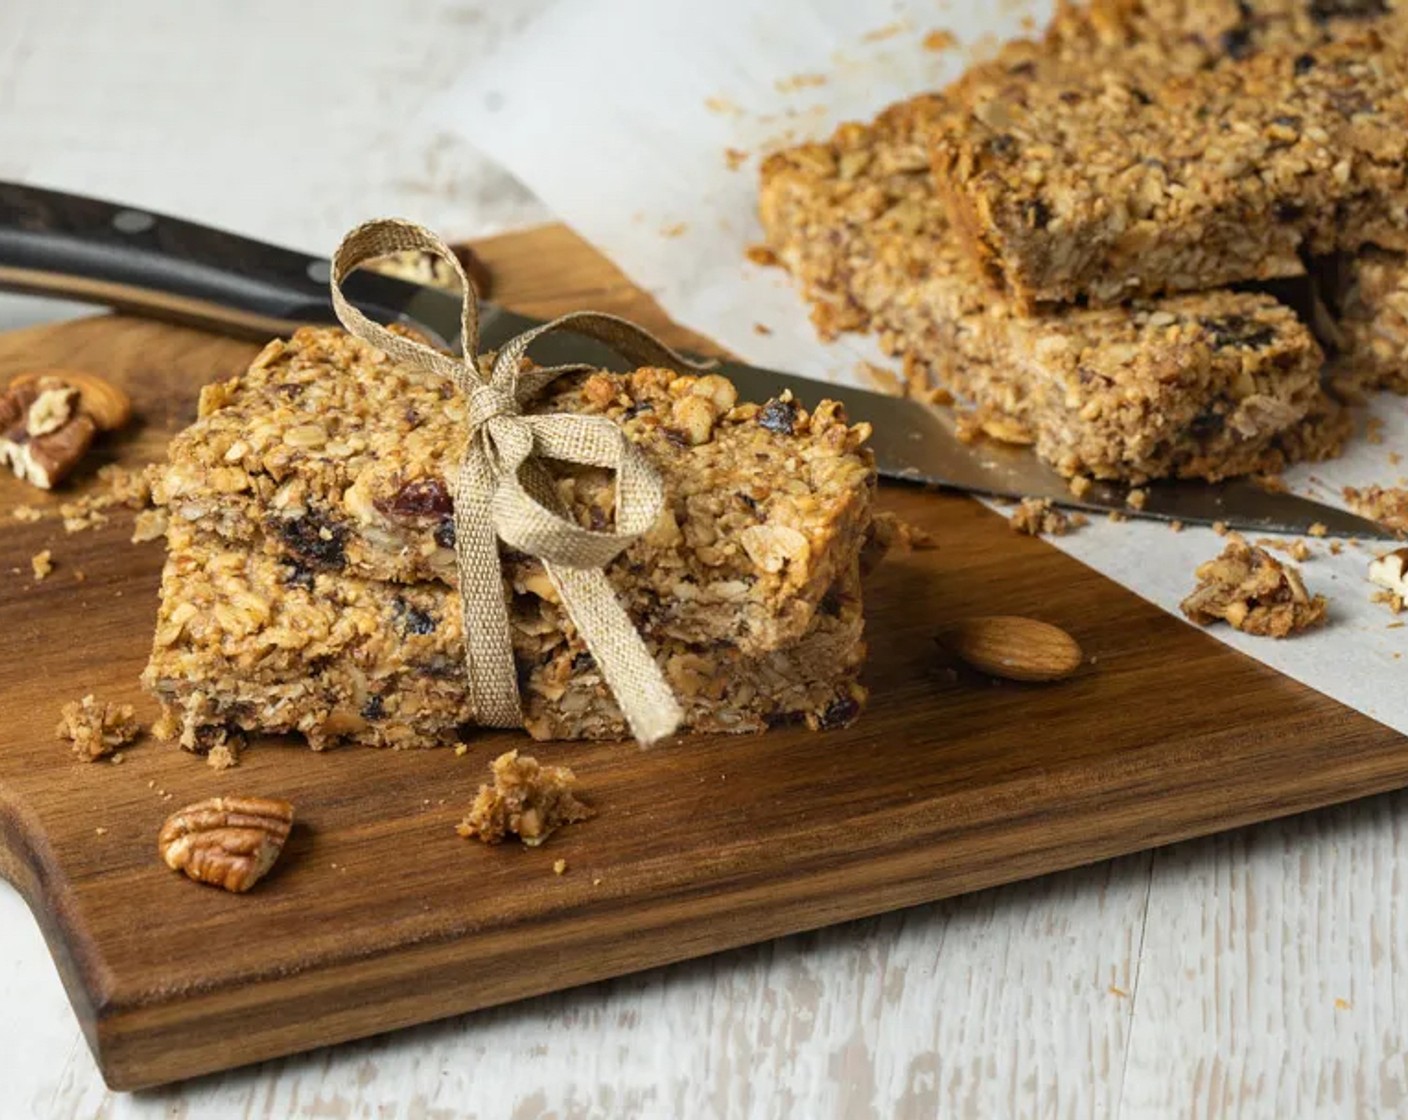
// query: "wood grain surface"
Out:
[379,916]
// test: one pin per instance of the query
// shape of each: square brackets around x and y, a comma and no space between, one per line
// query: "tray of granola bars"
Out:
[843,755]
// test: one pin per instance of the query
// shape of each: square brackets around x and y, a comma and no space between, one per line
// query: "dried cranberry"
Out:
[1237,330]
[423,498]
[314,538]
[1305,63]
[411,619]
[839,713]
[779,416]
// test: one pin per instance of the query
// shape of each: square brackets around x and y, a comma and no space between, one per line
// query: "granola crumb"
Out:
[100,831]
[1271,483]
[222,757]
[1318,530]
[26,513]
[96,728]
[1374,430]
[527,800]
[1079,486]
[940,39]
[1297,550]
[79,575]
[1037,517]
[895,534]
[116,758]
[1136,498]
[734,158]
[559,867]
[761,255]
[150,525]
[596,882]
[461,750]
[1220,528]
[1253,592]
[674,229]
[762,329]
[1385,504]
[1336,548]
[41,563]
[1176,526]
[1117,516]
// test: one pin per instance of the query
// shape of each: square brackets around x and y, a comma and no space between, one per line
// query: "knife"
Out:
[128,258]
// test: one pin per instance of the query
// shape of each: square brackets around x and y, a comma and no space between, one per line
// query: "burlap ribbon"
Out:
[502,493]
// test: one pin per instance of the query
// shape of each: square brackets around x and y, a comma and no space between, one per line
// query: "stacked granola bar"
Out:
[310,582]
[1074,236]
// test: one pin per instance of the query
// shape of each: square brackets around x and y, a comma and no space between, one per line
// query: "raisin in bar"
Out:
[330,454]
[1099,184]
[247,642]
[1205,385]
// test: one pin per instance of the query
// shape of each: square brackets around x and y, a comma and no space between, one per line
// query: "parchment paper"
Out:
[621,114]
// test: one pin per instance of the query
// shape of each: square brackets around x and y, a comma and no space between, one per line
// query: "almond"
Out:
[1015,648]
[108,406]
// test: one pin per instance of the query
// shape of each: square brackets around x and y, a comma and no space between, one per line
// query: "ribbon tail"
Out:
[488,640]
[635,680]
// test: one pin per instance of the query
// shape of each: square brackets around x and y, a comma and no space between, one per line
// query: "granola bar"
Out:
[1102,184]
[248,642]
[1203,385]
[327,453]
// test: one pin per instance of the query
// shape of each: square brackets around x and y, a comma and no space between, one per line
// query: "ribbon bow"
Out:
[503,493]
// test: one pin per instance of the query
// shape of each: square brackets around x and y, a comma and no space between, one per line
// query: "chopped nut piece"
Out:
[42,563]
[228,842]
[559,867]
[1297,550]
[26,513]
[527,800]
[1391,573]
[1037,517]
[1318,530]
[1254,592]
[95,728]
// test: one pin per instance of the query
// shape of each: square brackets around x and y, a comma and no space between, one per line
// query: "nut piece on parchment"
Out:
[1391,573]
[97,728]
[1253,592]
[527,800]
[49,419]
[1014,648]
[228,842]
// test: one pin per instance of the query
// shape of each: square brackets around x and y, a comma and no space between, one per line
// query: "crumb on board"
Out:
[461,749]
[26,513]
[150,525]
[1137,498]
[527,800]
[1253,592]
[1037,517]
[97,728]
[559,867]
[41,564]
[123,488]
[222,756]
[894,534]
[1079,486]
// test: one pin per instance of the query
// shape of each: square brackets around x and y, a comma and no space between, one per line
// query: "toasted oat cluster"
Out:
[97,728]
[1252,591]
[527,800]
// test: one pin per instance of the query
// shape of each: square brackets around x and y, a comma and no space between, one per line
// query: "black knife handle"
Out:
[80,248]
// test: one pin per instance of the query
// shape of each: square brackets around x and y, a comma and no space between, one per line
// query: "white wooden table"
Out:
[1262,973]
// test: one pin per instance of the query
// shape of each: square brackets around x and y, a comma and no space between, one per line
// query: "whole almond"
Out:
[108,406]
[1015,648]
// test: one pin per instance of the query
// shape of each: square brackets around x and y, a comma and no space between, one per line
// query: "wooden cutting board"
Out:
[380,916]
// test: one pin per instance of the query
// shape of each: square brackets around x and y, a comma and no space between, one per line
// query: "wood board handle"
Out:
[67,245]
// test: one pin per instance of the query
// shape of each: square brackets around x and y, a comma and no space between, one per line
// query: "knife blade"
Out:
[132,259]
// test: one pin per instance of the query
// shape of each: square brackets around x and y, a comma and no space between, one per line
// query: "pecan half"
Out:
[228,842]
